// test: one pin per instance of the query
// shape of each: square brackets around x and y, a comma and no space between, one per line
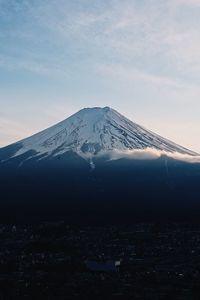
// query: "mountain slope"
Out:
[87,133]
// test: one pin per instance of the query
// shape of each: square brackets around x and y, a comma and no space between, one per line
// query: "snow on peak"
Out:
[94,130]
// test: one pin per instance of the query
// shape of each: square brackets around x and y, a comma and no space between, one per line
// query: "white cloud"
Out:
[151,154]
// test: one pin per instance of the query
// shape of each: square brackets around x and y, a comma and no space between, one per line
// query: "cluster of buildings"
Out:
[140,261]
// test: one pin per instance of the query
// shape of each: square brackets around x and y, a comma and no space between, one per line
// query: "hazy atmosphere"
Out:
[139,57]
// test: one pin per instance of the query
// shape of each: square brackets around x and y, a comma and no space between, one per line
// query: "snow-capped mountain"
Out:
[70,168]
[92,131]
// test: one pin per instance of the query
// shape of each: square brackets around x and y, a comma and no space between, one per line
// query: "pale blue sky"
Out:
[141,57]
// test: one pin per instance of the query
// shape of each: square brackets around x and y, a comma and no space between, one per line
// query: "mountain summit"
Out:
[89,132]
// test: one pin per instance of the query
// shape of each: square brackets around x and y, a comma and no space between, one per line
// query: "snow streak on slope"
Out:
[92,131]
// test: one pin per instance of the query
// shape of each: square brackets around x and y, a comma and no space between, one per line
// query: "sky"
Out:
[140,57]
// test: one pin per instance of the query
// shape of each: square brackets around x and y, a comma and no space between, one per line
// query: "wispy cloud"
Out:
[33,66]
[194,3]
[128,74]
[154,33]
